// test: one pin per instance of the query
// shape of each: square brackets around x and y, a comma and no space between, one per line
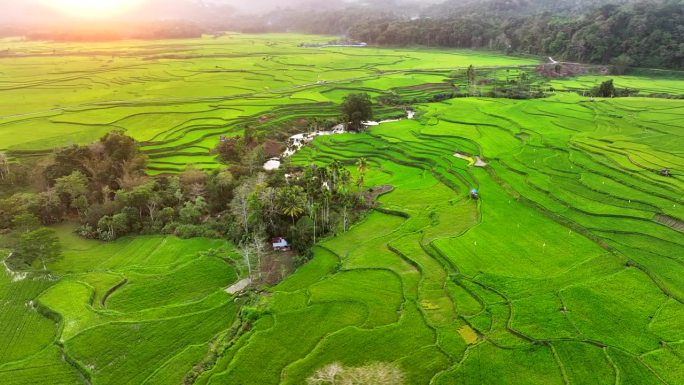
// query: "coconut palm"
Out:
[345,179]
[335,170]
[292,201]
[312,211]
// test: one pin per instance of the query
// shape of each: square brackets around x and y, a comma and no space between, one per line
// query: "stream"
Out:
[296,142]
[14,276]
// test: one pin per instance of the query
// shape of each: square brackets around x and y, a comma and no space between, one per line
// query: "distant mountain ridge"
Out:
[643,33]
[647,33]
[452,8]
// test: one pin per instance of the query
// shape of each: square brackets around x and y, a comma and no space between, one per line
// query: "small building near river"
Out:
[280,244]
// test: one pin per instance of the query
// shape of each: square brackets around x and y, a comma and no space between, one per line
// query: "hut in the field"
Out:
[280,244]
[474,194]
[665,172]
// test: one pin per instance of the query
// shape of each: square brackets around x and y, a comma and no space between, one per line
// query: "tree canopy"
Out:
[619,32]
[41,245]
[357,108]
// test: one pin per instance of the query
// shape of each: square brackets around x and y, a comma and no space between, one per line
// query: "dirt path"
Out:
[239,286]
[476,161]
[671,222]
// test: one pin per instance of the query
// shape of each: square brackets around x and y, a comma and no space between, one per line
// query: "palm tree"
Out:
[312,209]
[335,168]
[346,201]
[326,195]
[323,176]
[293,210]
[292,201]
[345,179]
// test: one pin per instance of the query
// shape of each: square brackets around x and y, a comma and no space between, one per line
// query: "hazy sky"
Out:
[18,11]
[43,11]
[115,4]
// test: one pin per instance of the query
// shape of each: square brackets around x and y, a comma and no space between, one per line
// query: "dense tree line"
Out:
[507,8]
[643,34]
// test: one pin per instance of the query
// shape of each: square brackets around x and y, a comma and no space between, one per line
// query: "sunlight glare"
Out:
[92,9]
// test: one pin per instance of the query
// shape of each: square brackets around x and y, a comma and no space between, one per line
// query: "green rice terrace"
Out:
[515,241]
[178,98]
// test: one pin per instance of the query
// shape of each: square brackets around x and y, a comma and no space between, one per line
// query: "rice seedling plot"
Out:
[138,310]
[179,97]
[562,271]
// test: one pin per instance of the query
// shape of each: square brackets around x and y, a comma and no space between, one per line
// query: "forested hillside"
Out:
[641,34]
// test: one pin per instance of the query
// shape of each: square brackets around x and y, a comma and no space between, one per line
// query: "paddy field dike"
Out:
[568,269]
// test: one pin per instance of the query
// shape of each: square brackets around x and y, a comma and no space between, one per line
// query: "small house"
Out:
[280,244]
[665,172]
[474,194]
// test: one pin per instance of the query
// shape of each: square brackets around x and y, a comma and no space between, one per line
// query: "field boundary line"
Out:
[561,367]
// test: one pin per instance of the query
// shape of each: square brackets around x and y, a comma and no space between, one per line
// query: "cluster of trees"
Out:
[247,149]
[12,174]
[32,243]
[77,179]
[302,206]
[356,109]
[519,84]
[103,186]
[608,90]
[605,89]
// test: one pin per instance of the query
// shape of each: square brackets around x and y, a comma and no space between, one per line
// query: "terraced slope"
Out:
[139,310]
[178,97]
[563,273]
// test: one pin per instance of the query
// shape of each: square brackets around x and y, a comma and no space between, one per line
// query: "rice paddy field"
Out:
[138,310]
[179,97]
[569,269]
[646,85]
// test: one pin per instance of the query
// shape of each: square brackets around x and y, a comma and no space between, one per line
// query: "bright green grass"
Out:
[23,330]
[645,85]
[564,272]
[187,93]
[179,97]
[561,269]
[379,291]
[45,367]
[136,310]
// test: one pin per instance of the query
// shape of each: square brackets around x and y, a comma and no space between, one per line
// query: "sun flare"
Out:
[92,9]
